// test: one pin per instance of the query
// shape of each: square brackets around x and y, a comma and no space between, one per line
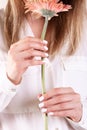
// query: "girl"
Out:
[20,69]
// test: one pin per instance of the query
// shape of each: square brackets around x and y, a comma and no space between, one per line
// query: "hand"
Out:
[22,55]
[62,102]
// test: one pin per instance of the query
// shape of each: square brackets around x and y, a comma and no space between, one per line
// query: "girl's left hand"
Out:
[62,102]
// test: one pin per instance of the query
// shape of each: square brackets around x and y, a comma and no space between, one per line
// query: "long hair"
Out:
[14,14]
[68,25]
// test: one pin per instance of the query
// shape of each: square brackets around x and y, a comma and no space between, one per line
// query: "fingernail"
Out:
[46,54]
[41,105]
[46,48]
[50,113]
[41,98]
[37,58]
[44,110]
[45,42]
[45,60]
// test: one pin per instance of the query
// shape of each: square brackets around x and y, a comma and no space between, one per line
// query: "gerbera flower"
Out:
[46,8]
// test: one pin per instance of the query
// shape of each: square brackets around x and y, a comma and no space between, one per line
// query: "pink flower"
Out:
[46,7]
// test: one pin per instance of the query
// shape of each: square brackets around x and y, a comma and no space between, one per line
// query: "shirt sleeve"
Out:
[7,89]
[82,125]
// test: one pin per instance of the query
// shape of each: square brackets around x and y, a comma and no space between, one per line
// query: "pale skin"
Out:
[22,55]
[61,102]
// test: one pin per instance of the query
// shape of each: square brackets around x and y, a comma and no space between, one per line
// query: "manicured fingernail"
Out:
[41,98]
[50,113]
[41,105]
[46,48]
[44,110]
[45,42]
[45,60]
[46,54]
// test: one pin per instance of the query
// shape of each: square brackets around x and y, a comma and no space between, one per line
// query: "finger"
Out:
[64,113]
[57,99]
[61,107]
[32,53]
[62,98]
[39,96]
[28,63]
[26,44]
[71,114]
[55,92]
[34,39]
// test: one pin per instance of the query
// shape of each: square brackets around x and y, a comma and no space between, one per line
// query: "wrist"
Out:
[75,119]
[15,81]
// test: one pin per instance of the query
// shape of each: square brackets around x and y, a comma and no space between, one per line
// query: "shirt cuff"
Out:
[83,121]
[6,85]
[82,124]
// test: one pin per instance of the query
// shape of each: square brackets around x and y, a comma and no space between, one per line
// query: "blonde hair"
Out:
[67,24]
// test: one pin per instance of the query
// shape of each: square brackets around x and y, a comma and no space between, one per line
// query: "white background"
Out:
[2,3]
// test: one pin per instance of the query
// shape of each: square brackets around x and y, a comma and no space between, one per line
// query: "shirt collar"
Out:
[25,30]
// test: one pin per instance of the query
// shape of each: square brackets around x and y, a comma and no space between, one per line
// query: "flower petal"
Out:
[46,7]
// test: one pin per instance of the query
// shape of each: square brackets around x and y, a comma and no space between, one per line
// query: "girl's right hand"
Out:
[22,55]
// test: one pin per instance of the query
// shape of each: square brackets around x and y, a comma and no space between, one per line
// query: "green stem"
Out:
[43,67]
[43,73]
[44,28]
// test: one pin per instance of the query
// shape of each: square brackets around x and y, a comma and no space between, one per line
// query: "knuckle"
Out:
[11,54]
[55,90]
[42,54]
[12,49]
[39,62]
[71,89]
[49,110]
[62,106]
[64,113]
[30,63]
[41,47]
[30,45]
[46,96]
[30,53]
[46,104]
[77,96]
[33,63]
[59,90]
[14,45]
[60,98]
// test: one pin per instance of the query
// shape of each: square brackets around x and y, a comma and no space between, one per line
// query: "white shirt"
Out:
[19,104]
